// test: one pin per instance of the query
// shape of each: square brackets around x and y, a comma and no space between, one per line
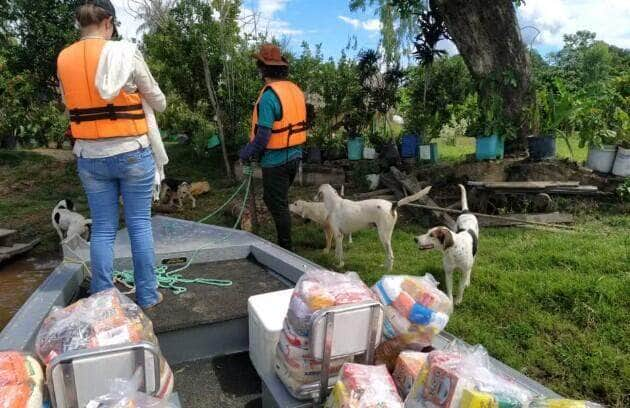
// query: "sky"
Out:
[331,23]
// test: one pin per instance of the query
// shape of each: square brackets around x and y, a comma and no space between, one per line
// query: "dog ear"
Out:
[57,217]
[445,237]
[70,204]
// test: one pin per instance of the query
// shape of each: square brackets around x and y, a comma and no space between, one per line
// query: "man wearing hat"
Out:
[278,132]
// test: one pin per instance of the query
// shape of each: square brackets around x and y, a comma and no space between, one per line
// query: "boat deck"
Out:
[227,381]
[205,304]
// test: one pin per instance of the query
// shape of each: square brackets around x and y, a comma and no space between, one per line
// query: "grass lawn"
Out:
[466,145]
[554,305]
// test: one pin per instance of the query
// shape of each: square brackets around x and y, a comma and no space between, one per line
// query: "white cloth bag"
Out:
[115,69]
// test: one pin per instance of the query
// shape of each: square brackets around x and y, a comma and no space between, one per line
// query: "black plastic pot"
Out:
[313,155]
[541,147]
[390,152]
[334,153]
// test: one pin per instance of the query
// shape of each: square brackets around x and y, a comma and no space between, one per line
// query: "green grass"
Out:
[466,145]
[553,305]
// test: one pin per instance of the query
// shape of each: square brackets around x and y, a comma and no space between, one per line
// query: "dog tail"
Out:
[464,199]
[410,199]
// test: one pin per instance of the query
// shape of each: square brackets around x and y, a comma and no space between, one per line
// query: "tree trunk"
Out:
[427,73]
[487,35]
[217,110]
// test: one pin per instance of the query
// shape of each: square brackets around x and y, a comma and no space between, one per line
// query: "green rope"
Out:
[173,280]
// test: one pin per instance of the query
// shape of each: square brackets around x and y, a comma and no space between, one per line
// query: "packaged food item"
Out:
[362,386]
[462,376]
[316,290]
[103,319]
[320,289]
[563,403]
[415,311]
[21,381]
[408,367]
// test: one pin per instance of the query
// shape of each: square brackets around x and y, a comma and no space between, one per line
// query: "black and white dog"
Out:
[459,248]
[66,220]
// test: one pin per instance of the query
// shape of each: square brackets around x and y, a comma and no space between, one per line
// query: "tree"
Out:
[488,38]
[432,30]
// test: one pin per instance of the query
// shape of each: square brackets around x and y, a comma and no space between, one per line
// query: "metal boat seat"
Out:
[76,377]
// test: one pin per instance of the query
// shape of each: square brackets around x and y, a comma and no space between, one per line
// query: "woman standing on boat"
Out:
[112,147]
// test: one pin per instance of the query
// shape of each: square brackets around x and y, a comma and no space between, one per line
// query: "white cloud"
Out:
[264,12]
[554,18]
[372,24]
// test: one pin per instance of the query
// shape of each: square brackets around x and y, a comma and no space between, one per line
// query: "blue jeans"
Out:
[130,175]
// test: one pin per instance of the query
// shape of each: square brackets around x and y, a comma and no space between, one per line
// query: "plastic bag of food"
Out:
[362,386]
[464,377]
[563,403]
[415,311]
[104,319]
[21,381]
[123,393]
[319,289]
[408,367]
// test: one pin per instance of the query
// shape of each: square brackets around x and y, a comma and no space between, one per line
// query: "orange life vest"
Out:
[290,130]
[92,117]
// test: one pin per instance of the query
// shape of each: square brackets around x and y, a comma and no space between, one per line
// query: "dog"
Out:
[316,212]
[174,189]
[459,247]
[345,216]
[199,188]
[65,219]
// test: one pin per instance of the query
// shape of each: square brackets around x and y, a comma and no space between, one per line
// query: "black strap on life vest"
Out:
[292,128]
[110,112]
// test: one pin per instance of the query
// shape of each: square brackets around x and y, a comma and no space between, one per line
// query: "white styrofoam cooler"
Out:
[266,315]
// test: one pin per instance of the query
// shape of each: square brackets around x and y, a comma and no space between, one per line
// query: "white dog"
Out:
[459,248]
[346,216]
[64,219]
[316,212]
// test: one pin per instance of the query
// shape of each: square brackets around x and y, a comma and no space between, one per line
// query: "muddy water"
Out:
[18,280]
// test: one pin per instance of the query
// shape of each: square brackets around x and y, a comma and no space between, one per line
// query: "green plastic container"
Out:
[355,149]
[214,141]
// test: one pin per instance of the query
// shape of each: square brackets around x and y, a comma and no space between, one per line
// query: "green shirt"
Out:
[270,111]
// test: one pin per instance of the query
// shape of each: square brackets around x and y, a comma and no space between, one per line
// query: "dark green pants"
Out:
[276,184]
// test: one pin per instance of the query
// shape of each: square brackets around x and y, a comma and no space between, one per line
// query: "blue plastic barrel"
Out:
[409,146]
[489,148]
[355,148]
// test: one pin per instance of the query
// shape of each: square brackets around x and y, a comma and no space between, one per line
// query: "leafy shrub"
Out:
[454,129]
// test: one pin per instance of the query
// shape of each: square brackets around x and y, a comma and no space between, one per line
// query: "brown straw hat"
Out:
[270,54]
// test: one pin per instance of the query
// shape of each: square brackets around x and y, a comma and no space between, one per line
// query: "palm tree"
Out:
[151,12]
[432,30]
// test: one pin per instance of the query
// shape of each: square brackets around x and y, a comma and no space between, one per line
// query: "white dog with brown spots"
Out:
[346,216]
[459,248]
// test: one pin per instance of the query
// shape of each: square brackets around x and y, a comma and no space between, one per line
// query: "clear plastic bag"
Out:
[415,312]
[464,377]
[123,393]
[408,367]
[316,290]
[319,289]
[362,386]
[563,403]
[104,319]
[21,381]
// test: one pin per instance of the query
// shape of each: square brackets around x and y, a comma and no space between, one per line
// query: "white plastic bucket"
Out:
[369,153]
[622,163]
[601,159]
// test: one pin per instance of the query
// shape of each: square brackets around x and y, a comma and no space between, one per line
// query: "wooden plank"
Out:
[523,185]
[496,217]
[517,219]
[372,194]
[5,235]
[16,249]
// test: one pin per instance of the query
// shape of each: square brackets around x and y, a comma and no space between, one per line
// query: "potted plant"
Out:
[369,152]
[596,133]
[492,129]
[335,148]
[621,167]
